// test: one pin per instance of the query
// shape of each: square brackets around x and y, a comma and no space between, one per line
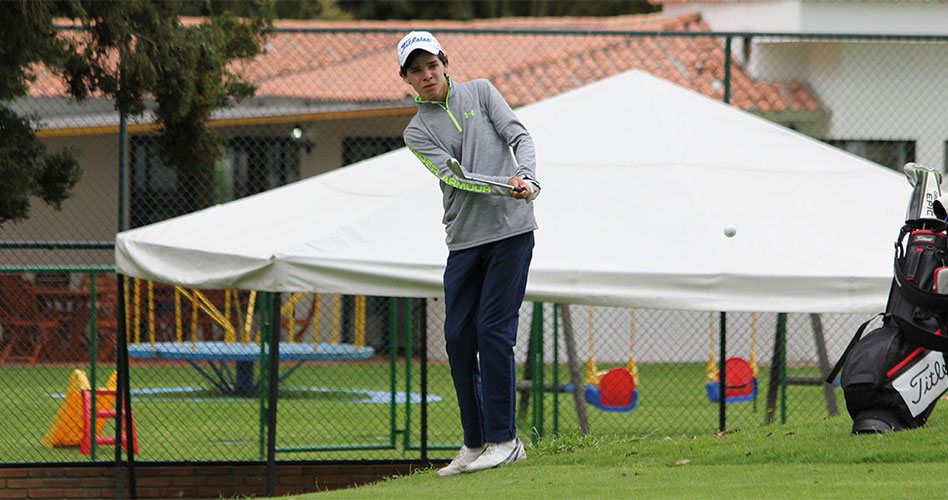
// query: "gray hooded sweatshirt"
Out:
[475,125]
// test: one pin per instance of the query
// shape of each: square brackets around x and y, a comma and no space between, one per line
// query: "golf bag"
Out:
[893,376]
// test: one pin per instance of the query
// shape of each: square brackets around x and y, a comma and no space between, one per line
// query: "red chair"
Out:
[85,445]
[26,329]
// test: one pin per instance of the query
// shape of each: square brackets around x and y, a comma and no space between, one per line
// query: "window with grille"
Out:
[360,148]
[250,165]
[892,154]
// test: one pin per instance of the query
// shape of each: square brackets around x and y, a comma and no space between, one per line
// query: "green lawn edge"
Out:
[816,459]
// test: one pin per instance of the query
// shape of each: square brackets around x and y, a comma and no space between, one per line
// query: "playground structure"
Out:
[314,327]
[740,373]
[233,314]
[340,320]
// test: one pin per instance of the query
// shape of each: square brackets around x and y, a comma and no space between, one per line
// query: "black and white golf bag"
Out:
[893,376]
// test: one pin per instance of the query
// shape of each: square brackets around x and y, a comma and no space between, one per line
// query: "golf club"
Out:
[456,169]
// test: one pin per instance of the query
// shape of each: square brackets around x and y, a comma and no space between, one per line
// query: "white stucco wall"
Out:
[770,16]
[875,90]
[821,16]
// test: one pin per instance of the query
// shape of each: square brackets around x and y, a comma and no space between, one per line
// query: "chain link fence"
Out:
[364,377]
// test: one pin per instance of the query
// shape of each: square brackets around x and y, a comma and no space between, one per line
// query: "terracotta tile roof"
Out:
[360,67]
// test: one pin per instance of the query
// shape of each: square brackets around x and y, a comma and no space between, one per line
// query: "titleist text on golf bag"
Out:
[893,376]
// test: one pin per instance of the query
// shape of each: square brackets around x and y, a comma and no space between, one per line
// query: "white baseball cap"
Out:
[416,40]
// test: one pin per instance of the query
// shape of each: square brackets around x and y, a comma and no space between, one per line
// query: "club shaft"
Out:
[499,184]
[456,169]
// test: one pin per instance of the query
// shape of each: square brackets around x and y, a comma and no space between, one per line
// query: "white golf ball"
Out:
[730,231]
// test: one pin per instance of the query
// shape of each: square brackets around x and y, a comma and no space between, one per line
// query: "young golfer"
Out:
[489,236]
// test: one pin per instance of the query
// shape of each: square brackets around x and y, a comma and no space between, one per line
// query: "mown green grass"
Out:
[814,459]
[203,425]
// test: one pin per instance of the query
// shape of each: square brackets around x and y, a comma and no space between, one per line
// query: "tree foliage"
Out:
[27,168]
[283,9]
[137,53]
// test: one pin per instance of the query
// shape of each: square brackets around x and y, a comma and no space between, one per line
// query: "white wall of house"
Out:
[873,90]
[90,214]
[820,16]
[771,16]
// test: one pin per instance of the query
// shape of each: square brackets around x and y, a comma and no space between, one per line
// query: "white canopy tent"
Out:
[639,178]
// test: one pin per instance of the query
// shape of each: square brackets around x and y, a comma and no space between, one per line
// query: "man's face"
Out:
[426,76]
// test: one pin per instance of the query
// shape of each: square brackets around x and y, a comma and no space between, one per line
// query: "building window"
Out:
[892,154]
[250,165]
[256,164]
[360,148]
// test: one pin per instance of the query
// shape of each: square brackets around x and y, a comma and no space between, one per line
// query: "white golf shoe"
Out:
[464,458]
[497,454]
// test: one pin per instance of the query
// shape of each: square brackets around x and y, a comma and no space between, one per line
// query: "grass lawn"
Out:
[813,459]
[180,417]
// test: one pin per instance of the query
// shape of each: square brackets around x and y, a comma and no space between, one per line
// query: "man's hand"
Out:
[531,188]
[518,182]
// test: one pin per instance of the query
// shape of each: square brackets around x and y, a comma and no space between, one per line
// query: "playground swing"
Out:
[612,390]
[741,374]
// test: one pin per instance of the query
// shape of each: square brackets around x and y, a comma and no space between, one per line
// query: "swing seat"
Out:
[740,380]
[616,391]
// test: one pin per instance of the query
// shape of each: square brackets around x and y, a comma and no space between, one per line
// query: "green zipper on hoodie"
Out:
[445,105]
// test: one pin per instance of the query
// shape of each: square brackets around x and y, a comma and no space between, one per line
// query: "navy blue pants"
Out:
[483,291]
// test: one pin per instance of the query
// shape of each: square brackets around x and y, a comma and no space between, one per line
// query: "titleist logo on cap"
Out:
[414,39]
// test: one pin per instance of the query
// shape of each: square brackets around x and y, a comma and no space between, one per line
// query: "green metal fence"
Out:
[366,377]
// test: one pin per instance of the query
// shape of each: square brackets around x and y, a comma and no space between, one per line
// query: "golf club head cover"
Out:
[940,207]
[926,183]
[534,188]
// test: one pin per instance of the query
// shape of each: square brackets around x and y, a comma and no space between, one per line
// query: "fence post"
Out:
[123,160]
[423,354]
[782,335]
[93,358]
[274,376]
[393,368]
[536,336]
[556,371]
[409,339]
[727,69]
[722,376]
[123,404]
[777,372]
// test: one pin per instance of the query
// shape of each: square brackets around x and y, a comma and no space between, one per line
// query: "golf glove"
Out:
[534,188]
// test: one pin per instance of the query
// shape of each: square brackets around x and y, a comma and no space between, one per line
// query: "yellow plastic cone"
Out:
[66,429]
